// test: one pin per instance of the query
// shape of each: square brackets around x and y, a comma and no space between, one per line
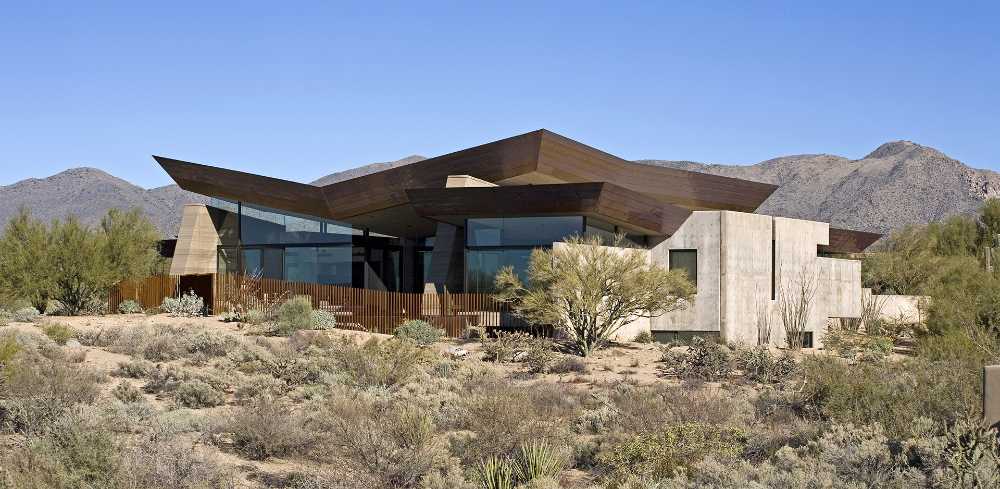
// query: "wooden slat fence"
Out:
[149,292]
[364,309]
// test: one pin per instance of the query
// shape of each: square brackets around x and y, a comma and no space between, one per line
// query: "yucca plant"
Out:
[537,460]
[495,473]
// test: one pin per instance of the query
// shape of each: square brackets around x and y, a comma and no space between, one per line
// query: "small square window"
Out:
[686,260]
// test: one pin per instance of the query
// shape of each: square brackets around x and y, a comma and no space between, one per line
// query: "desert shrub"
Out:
[495,473]
[500,417]
[74,453]
[130,307]
[420,332]
[892,394]
[260,386]
[661,454]
[855,345]
[101,337]
[323,319]
[505,346]
[127,393]
[266,427]
[26,315]
[37,391]
[293,315]
[133,369]
[187,305]
[60,333]
[210,344]
[171,465]
[161,347]
[377,363]
[5,318]
[254,317]
[567,364]
[703,360]
[643,336]
[8,349]
[196,394]
[540,356]
[760,365]
[386,444]
[537,460]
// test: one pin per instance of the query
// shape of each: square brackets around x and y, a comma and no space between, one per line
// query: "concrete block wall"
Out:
[736,273]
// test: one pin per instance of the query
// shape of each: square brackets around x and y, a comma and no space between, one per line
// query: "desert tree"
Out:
[590,291]
[130,244]
[24,273]
[795,303]
[78,260]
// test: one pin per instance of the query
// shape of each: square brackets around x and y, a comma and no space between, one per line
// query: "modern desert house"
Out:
[450,222]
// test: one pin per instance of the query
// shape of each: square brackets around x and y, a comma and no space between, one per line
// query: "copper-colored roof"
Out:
[538,157]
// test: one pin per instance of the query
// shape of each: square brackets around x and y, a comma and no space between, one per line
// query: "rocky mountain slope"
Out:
[897,184]
[88,193]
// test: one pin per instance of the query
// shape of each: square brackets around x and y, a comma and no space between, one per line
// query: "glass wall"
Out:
[306,249]
[495,243]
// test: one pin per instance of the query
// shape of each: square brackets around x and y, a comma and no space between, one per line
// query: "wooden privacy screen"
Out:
[369,310]
[149,292]
[375,311]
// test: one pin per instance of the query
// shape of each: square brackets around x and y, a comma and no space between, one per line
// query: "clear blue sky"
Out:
[299,90]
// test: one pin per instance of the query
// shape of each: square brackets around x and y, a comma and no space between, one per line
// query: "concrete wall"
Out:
[700,232]
[902,308]
[736,273]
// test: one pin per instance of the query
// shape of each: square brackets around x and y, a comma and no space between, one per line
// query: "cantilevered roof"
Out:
[848,241]
[534,158]
[606,201]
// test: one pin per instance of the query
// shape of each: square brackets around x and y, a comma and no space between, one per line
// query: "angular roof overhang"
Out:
[848,241]
[605,201]
[540,157]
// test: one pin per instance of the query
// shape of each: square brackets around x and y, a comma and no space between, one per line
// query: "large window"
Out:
[495,243]
[260,225]
[686,260]
[522,231]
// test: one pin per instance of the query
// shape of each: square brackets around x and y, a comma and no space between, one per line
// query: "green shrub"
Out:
[295,314]
[127,393]
[540,356]
[377,363]
[133,369]
[196,394]
[536,460]
[855,345]
[644,336]
[703,360]
[36,392]
[420,332]
[495,473]
[59,333]
[760,365]
[130,307]
[187,305]
[8,349]
[890,393]
[660,454]
[5,317]
[323,319]
[505,346]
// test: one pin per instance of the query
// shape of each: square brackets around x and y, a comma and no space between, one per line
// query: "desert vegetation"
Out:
[277,397]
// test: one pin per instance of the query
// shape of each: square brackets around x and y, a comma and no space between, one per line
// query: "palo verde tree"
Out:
[23,266]
[130,246]
[590,291]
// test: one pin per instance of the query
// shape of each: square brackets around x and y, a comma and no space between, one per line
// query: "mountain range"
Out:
[898,183]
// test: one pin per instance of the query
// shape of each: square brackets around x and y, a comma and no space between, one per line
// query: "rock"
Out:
[73,344]
[456,352]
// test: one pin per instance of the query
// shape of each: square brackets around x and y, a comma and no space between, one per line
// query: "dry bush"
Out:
[267,427]
[127,393]
[383,444]
[196,394]
[60,333]
[37,391]
[375,363]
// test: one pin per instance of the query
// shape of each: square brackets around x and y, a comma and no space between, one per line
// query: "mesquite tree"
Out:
[591,291]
